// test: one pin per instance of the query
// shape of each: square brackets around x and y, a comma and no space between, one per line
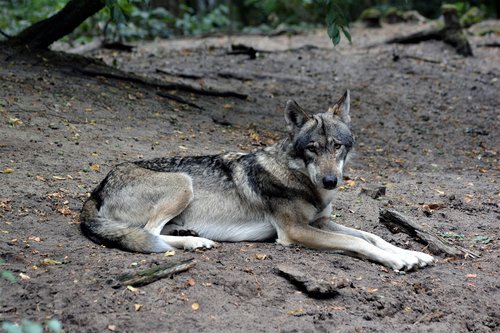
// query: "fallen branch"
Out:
[311,286]
[178,99]
[421,59]
[451,33]
[131,77]
[150,275]
[397,223]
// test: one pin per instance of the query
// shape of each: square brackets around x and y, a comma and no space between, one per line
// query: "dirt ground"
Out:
[427,125]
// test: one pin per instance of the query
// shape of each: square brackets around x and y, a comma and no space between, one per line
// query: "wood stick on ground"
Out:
[178,99]
[396,223]
[150,275]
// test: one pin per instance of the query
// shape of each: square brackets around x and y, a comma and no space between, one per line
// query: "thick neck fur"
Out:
[283,153]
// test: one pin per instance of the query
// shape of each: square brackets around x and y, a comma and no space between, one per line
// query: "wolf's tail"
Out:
[105,231]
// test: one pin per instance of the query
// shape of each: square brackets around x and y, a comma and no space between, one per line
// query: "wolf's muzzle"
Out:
[330,182]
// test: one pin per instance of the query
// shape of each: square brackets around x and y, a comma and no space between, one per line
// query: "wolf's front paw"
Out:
[191,243]
[423,258]
[403,262]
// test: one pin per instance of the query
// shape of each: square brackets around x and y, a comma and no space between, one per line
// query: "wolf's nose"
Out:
[329,182]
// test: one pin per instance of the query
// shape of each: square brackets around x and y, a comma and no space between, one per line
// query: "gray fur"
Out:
[284,191]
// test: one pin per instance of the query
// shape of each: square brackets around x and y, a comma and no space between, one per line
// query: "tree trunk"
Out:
[41,34]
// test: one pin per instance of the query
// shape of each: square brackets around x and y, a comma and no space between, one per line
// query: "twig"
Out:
[421,59]
[148,276]
[178,99]
[421,318]
[396,223]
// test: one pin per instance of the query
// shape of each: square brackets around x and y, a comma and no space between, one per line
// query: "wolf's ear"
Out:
[342,108]
[295,116]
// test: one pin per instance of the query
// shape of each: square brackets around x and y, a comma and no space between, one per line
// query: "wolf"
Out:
[283,191]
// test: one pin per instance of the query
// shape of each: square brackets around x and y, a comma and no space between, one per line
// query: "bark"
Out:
[151,275]
[42,34]
[396,223]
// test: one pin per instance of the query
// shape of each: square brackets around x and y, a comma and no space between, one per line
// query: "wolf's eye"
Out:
[337,146]
[311,147]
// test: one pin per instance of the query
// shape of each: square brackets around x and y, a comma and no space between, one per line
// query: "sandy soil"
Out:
[427,125]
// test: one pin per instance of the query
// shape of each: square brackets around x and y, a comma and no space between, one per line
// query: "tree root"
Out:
[131,77]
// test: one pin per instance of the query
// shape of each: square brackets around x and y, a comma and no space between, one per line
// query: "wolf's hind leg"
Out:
[188,242]
[176,195]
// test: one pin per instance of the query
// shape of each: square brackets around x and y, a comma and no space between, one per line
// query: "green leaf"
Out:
[334,34]
[8,276]
[347,34]
[482,239]
[32,327]
[11,327]
[54,325]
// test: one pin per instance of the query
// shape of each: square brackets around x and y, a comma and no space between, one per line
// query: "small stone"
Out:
[373,191]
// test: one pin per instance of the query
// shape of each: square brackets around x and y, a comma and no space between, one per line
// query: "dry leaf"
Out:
[133,289]
[58,178]
[295,312]
[57,195]
[50,262]
[190,282]
[8,170]
[138,307]
[169,253]
[260,256]
[372,290]
[15,121]
[35,238]
[254,136]
[65,211]
[112,328]
[228,106]
[195,306]
[5,205]
[433,206]
[350,182]
[95,167]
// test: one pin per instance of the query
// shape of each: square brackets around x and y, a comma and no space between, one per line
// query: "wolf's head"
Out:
[320,142]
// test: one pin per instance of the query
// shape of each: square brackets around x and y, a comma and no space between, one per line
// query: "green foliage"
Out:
[7,275]
[16,15]
[336,21]
[370,13]
[191,24]
[126,20]
[27,326]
